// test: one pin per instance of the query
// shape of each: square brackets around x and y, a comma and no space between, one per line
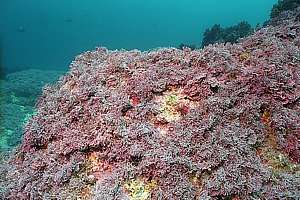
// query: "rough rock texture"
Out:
[220,123]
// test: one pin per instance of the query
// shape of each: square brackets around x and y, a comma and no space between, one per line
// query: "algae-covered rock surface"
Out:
[217,123]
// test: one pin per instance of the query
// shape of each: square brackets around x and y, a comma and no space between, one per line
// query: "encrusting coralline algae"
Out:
[217,123]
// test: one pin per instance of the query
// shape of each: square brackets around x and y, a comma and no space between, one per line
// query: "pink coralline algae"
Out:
[217,123]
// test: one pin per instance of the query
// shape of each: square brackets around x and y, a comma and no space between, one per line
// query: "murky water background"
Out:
[48,34]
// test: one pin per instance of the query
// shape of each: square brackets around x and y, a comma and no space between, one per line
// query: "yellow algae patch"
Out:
[168,108]
[244,56]
[94,161]
[195,180]
[96,164]
[277,161]
[280,162]
[137,189]
[198,181]
[269,151]
[85,193]
[173,104]
[98,168]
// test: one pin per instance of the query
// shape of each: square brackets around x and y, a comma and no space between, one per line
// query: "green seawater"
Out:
[49,33]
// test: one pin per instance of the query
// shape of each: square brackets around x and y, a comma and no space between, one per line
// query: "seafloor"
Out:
[18,93]
[217,123]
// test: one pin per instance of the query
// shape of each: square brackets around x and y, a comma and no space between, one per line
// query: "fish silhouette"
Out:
[21,29]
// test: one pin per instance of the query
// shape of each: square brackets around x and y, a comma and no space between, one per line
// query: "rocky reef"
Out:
[231,34]
[282,6]
[217,123]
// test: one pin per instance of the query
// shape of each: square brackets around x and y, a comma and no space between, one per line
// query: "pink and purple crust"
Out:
[217,123]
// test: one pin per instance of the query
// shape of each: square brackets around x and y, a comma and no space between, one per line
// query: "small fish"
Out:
[69,20]
[21,29]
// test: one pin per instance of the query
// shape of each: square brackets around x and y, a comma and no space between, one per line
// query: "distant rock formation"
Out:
[283,6]
[218,34]
[18,94]
[217,123]
[2,73]
[29,82]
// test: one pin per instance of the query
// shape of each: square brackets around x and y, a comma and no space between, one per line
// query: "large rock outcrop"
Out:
[217,123]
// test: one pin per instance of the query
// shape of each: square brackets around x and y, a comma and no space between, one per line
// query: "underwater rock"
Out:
[218,34]
[217,123]
[29,82]
[282,6]
[284,17]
